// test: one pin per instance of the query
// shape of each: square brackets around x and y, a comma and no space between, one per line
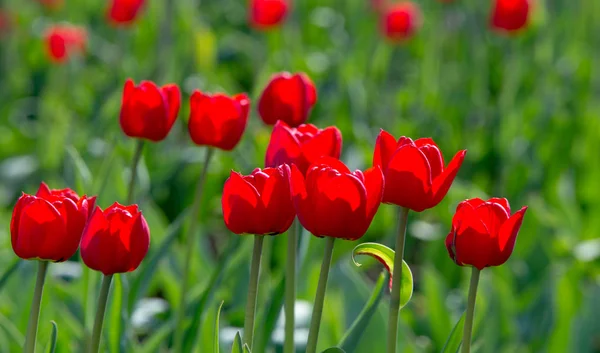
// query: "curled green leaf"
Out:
[385,256]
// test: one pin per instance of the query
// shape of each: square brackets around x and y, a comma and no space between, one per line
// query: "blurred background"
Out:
[525,105]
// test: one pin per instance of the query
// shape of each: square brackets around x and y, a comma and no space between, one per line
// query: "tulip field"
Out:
[286,176]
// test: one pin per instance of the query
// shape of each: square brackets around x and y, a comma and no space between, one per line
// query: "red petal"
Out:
[442,183]
[173,98]
[42,232]
[374,184]
[302,200]
[265,14]
[275,195]
[408,179]
[93,239]
[75,221]
[327,142]
[334,163]
[434,156]
[472,243]
[508,235]
[311,90]
[502,202]
[23,201]
[285,99]
[283,147]
[385,146]
[44,191]
[139,242]
[510,15]
[144,113]
[493,216]
[241,205]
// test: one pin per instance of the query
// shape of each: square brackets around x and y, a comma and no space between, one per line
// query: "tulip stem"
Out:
[34,314]
[468,329]
[397,281]
[139,147]
[252,291]
[290,289]
[179,329]
[102,299]
[315,322]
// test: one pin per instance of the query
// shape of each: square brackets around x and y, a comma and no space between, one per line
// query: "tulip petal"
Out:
[442,183]
[139,241]
[303,201]
[508,234]
[215,121]
[240,202]
[311,90]
[408,179]
[41,231]
[385,146]
[492,216]
[433,154]
[374,184]
[283,147]
[284,98]
[23,201]
[327,142]
[75,221]
[502,202]
[44,191]
[173,98]
[334,163]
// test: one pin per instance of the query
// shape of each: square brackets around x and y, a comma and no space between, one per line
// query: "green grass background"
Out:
[526,107]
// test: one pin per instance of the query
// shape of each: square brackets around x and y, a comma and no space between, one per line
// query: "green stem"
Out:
[468,330]
[137,155]
[179,329]
[34,314]
[102,299]
[397,281]
[315,322]
[252,291]
[290,289]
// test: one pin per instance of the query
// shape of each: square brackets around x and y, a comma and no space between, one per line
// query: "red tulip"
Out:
[483,232]
[48,226]
[124,12]
[115,240]
[510,15]
[267,14]
[218,120]
[149,111]
[64,40]
[400,21]
[259,203]
[287,97]
[5,23]
[331,201]
[303,145]
[414,171]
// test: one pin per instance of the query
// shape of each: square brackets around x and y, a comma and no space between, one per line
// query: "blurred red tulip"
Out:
[115,240]
[124,12]
[259,203]
[218,120]
[483,232]
[302,146]
[5,23]
[267,14]
[510,15]
[331,201]
[287,97]
[414,171]
[52,4]
[149,111]
[64,40]
[49,225]
[400,21]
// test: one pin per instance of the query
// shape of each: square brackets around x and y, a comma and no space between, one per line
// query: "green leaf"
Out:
[334,350]
[246,348]
[216,344]
[269,316]
[9,272]
[351,338]
[385,255]
[455,339]
[83,172]
[237,344]
[157,339]
[53,337]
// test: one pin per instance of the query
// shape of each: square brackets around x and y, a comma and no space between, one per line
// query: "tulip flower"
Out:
[483,234]
[302,146]
[510,15]
[49,224]
[287,97]
[5,23]
[124,12]
[218,120]
[400,21]
[259,203]
[267,14]
[415,173]
[148,111]
[115,240]
[62,41]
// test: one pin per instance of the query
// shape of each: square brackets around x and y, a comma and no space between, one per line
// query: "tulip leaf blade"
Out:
[455,338]
[216,342]
[385,256]
[53,338]
[352,337]
[247,348]
[237,346]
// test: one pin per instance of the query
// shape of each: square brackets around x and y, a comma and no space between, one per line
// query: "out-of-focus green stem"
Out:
[290,289]
[137,155]
[315,322]
[34,314]
[468,330]
[252,291]
[397,281]
[179,327]
[99,321]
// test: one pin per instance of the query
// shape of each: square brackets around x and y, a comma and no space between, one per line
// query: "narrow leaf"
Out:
[157,339]
[216,345]
[385,256]
[9,272]
[53,337]
[237,344]
[246,348]
[455,339]
[352,337]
